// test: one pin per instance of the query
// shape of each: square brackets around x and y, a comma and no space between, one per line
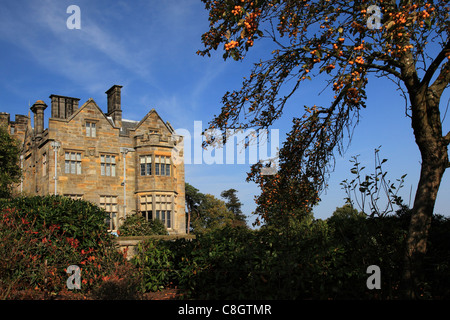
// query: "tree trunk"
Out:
[189,220]
[427,128]
[416,244]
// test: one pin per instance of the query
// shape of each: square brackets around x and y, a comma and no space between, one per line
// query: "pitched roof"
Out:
[128,125]
[168,126]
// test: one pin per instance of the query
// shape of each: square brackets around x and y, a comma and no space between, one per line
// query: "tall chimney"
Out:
[114,104]
[38,110]
[63,107]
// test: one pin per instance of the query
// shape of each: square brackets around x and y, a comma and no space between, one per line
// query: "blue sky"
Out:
[149,47]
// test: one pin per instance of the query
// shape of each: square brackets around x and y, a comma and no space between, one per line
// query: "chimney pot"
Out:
[38,109]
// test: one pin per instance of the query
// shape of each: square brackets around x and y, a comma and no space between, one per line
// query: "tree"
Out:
[206,212]
[211,214]
[346,217]
[343,42]
[347,212]
[234,205]
[10,172]
[193,200]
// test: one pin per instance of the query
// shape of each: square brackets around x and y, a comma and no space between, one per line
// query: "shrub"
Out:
[122,284]
[215,265]
[306,259]
[369,241]
[78,219]
[156,264]
[239,263]
[136,225]
[42,236]
[33,258]
[437,261]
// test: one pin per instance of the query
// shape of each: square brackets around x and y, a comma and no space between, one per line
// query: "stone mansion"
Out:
[123,166]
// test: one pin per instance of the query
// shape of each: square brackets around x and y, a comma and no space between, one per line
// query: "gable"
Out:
[90,109]
[153,122]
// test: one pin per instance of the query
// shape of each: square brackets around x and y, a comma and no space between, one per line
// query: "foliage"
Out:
[437,261]
[155,264]
[137,225]
[346,211]
[233,204]
[282,197]
[77,219]
[307,259]
[122,284]
[212,213]
[32,258]
[238,263]
[206,212]
[10,172]
[193,200]
[373,241]
[43,236]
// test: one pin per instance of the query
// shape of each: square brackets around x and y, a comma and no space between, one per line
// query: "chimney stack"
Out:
[38,110]
[63,107]
[114,104]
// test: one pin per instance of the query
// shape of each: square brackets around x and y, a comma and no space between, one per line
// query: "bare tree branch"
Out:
[384,68]
[434,66]
[447,138]
[442,81]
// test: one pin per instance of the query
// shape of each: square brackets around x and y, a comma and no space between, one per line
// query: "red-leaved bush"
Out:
[35,255]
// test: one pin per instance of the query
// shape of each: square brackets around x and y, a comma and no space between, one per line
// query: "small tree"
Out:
[212,214]
[234,205]
[346,212]
[193,200]
[10,172]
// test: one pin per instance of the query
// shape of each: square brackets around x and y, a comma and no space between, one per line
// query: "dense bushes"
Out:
[307,259]
[156,263]
[31,257]
[312,259]
[42,236]
[77,219]
[136,225]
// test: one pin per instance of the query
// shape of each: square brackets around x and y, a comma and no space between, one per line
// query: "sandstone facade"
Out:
[122,165]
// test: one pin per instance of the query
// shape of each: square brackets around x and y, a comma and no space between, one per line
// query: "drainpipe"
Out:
[124,152]
[21,170]
[56,145]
